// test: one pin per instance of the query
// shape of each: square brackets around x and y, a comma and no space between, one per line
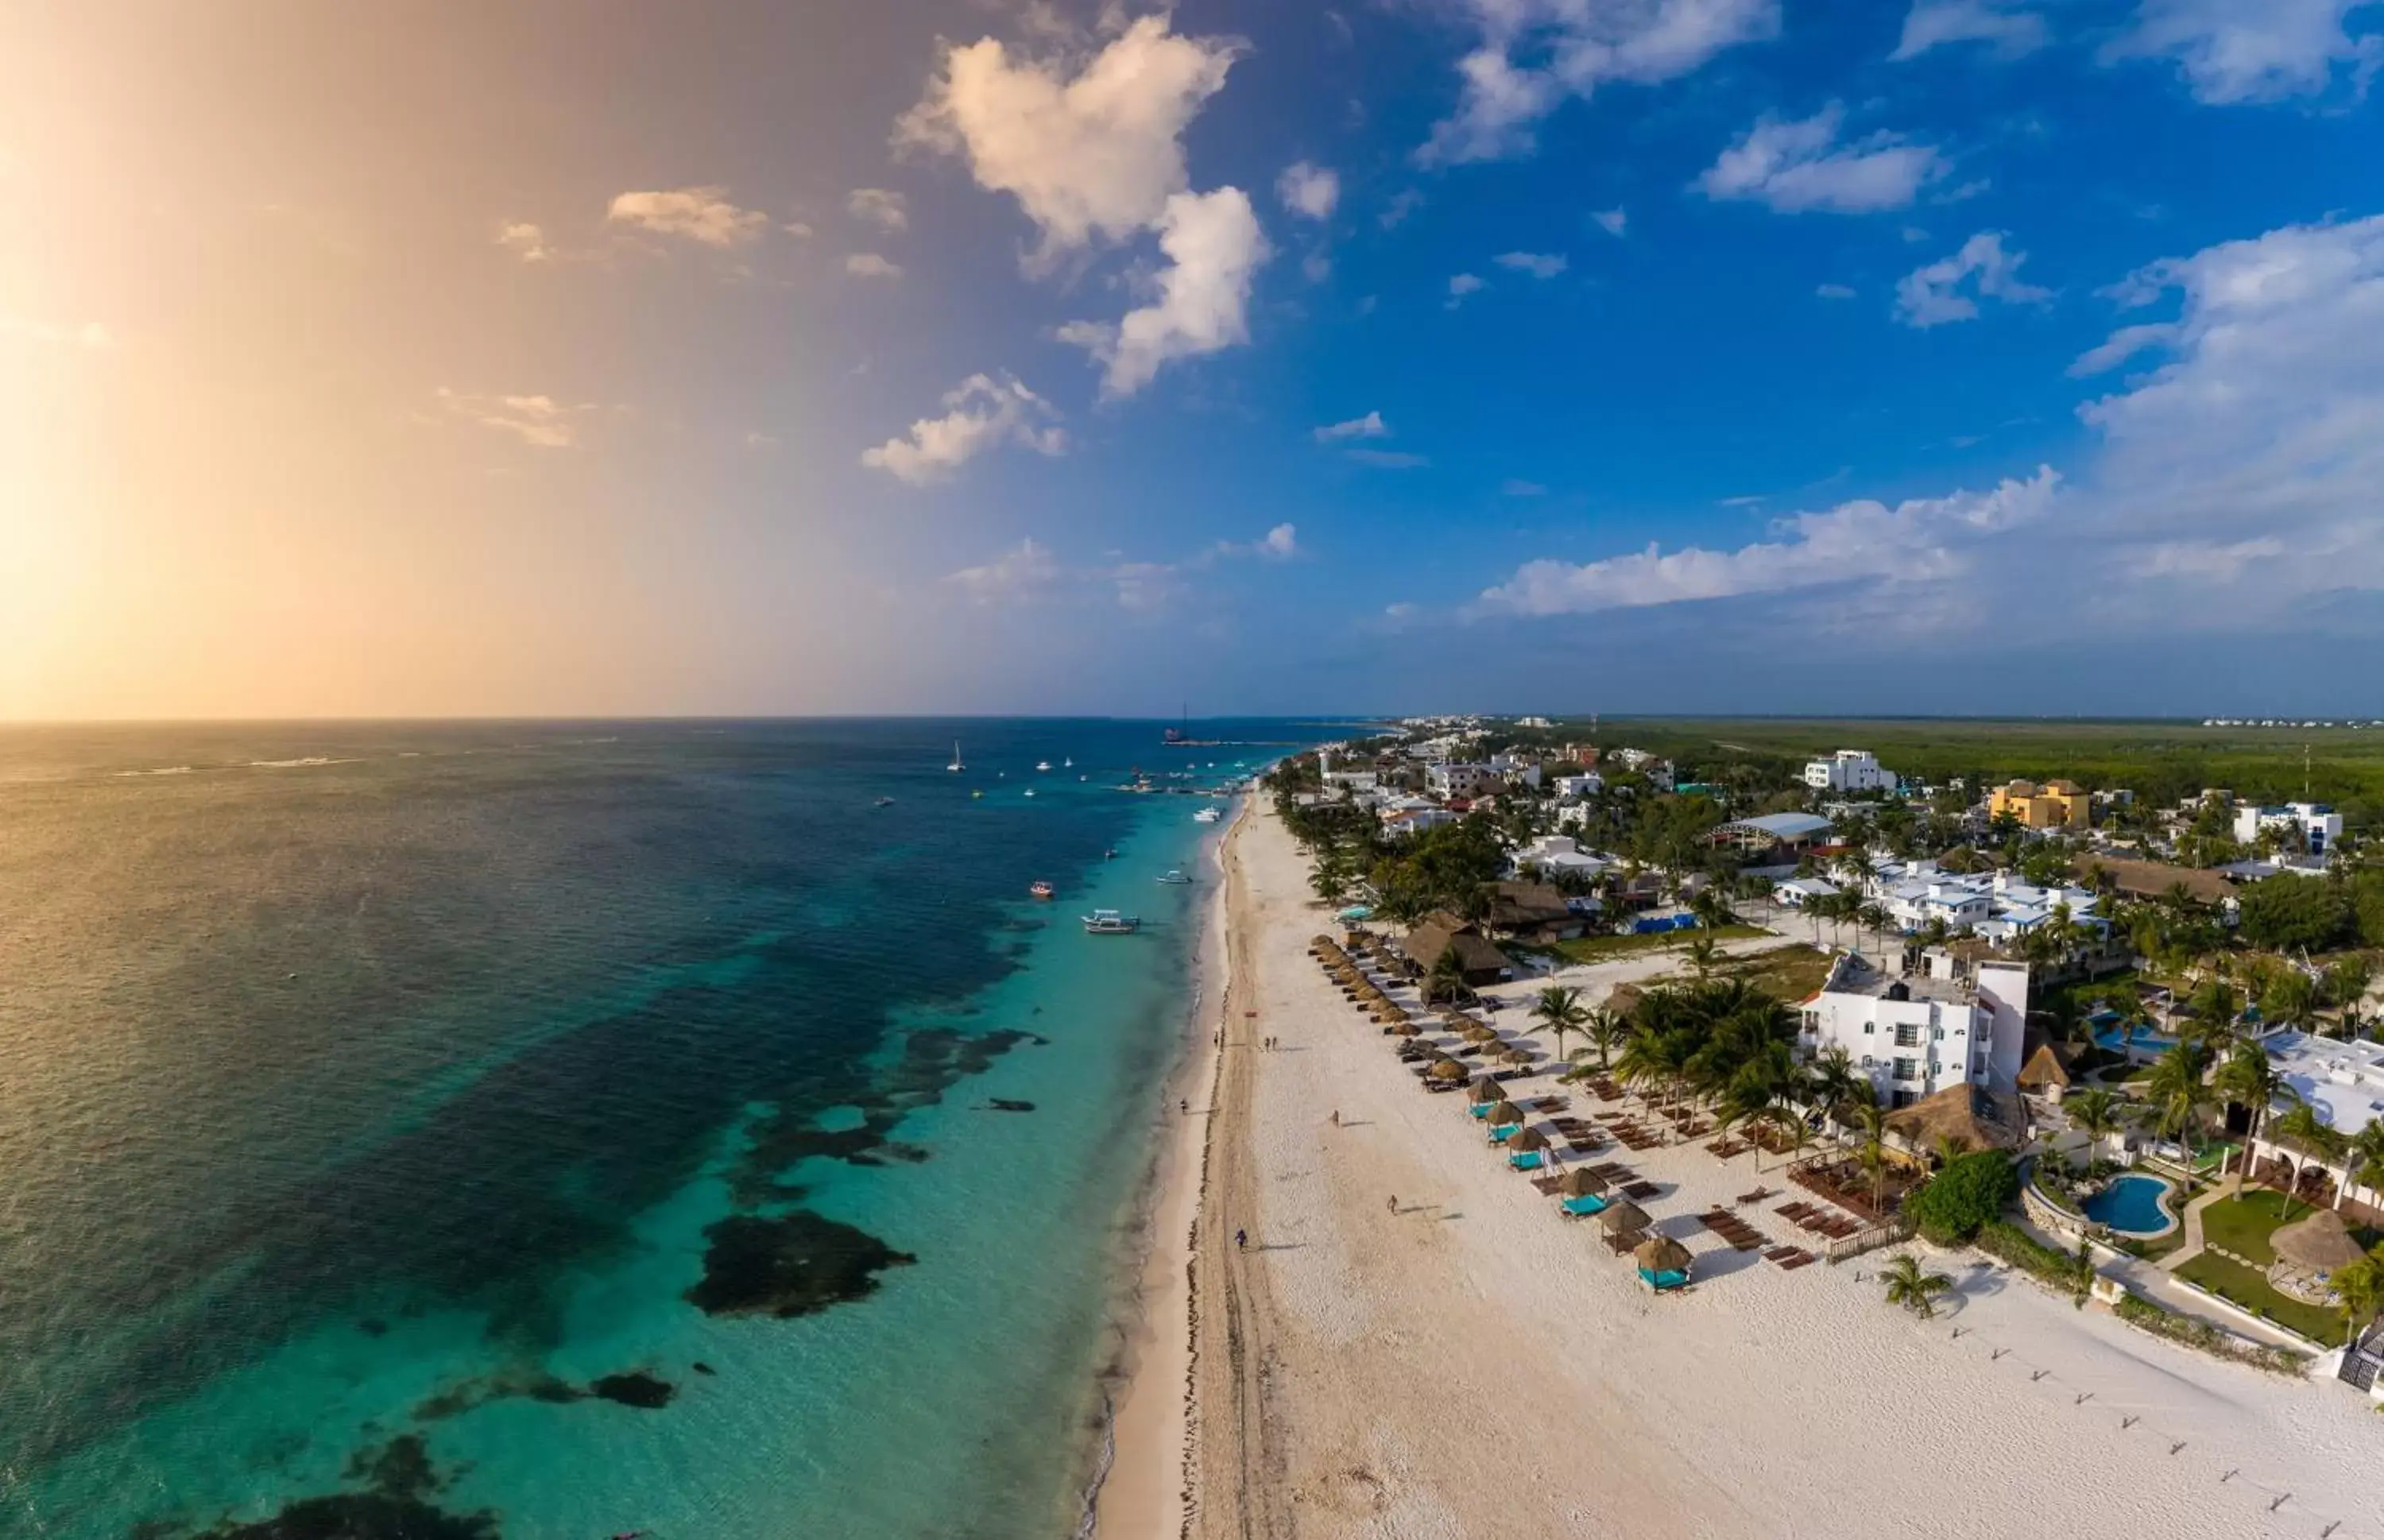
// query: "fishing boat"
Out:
[956,766]
[885,801]
[1174,877]
[1109,922]
[1039,888]
[1042,765]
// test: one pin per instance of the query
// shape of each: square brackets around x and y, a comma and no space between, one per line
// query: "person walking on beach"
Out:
[1395,1202]
[1336,1117]
[1241,1240]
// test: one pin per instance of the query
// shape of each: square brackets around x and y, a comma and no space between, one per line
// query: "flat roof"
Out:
[2343,1081]
[1783,825]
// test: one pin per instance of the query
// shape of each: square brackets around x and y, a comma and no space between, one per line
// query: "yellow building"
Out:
[2054,805]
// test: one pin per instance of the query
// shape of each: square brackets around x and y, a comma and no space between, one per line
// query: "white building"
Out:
[1456,778]
[2343,1082]
[1849,770]
[1553,854]
[1796,892]
[1409,818]
[1954,1022]
[1522,768]
[1573,787]
[2319,825]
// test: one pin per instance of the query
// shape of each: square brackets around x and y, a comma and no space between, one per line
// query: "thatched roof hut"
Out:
[1486,1089]
[1405,1028]
[1971,1116]
[1663,1254]
[1504,1114]
[1624,1218]
[1581,1182]
[1518,1055]
[1449,1072]
[1530,1138]
[1479,1033]
[2045,1072]
[2321,1243]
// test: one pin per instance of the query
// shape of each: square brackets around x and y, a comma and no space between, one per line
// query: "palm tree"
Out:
[2178,1095]
[2312,1140]
[1836,1086]
[1872,1155]
[1914,1289]
[1561,1008]
[2362,1286]
[2249,1078]
[1447,979]
[2098,1113]
[2367,1157]
[1605,1030]
[1704,954]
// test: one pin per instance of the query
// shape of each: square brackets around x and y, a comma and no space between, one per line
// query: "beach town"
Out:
[1568,1154]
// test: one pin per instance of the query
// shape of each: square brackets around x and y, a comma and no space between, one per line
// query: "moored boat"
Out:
[1109,922]
[1039,888]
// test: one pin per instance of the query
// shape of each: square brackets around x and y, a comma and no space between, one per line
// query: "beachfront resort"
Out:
[1609,1028]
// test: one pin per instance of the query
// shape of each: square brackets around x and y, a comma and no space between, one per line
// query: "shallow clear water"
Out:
[2131,1204]
[395,1115]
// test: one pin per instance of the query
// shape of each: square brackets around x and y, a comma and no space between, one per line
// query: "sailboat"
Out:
[956,766]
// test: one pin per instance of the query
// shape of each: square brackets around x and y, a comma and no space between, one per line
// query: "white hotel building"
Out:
[1849,770]
[1954,1021]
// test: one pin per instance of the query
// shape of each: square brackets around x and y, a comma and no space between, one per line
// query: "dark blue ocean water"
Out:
[394,1118]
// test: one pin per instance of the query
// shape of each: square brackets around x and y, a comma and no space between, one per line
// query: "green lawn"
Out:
[2246,1287]
[2243,1224]
[1789,973]
[1605,949]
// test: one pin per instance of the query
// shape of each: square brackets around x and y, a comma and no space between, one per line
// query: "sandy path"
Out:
[1474,1365]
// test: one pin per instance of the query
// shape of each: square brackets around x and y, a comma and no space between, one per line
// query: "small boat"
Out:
[1030,791]
[1174,877]
[1042,765]
[1039,888]
[1067,764]
[956,766]
[978,796]
[885,801]
[1207,816]
[1109,922]
[1110,856]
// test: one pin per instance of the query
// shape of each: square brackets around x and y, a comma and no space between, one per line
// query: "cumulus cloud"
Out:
[875,205]
[1090,153]
[524,240]
[541,421]
[1311,192]
[1370,425]
[1278,544]
[1538,263]
[1463,285]
[702,214]
[1213,246]
[1921,540]
[2233,51]
[870,265]
[2120,346]
[1403,203]
[1797,167]
[984,412]
[1614,221]
[1019,575]
[1933,295]
[2008,26]
[1532,55]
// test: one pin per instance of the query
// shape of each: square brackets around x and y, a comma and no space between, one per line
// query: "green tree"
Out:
[1910,1285]
[1559,1008]
[2097,1112]
[2361,1285]
[2305,915]
[1605,1030]
[1445,981]
[2178,1094]
[1963,1198]
[2248,1077]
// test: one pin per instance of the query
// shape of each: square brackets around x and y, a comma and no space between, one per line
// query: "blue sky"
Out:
[1696,356]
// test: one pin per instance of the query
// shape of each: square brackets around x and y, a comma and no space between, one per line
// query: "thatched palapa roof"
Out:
[1504,1113]
[2321,1243]
[1664,1254]
[2045,1072]
[1971,1116]
[1530,1138]
[1623,1217]
[1489,1090]
[1581,1182]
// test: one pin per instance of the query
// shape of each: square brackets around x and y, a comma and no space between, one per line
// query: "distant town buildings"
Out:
[2318,826]
[2054,805]
[1849,770]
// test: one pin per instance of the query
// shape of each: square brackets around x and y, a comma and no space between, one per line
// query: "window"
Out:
[1907,1034]
[1937,1034]
[1907,1069]
[1869,1028]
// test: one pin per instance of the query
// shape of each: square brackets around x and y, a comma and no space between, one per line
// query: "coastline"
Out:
[1408,1373]
[1142,1488]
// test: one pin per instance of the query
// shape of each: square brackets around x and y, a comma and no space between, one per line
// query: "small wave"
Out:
[296,763]
[167,770]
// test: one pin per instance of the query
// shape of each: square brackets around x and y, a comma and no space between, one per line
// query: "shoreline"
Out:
[1142,1485]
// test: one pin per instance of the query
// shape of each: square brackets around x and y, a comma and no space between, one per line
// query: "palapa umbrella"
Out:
[1486,1091]
[1530,1138]
[1478,1033]
[1405,1028]
[2321,1243]
[1663,1254]
[1449,1072]
[1624,1218]
[1504,1115]
[1518,1056]
[1581,1182]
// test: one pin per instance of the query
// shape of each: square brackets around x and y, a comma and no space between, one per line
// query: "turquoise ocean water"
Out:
[537,1130]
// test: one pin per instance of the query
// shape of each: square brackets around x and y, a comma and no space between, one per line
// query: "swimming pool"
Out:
[2142,1039]
[2131,1205]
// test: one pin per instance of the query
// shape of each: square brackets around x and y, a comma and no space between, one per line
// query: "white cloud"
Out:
[524,240]
[1090,153]
[1518,488]
[2233,51]
[2120,346]
[1463,285]
[1316,266]
[797,228]
[870,265]
[2008,25]
[1388,459]
[1404,202]
[2206,562]
[89,334]
[1863,542]
[1370,425]
[1835,291]
[700,214]
[1933,295]
[1793,167]
[983,413]
[1017,576]
[1614,221]
[1278,544]
[541,422]
[1214,246]
[1311,192]
[888,210]
[1532,55]
[1539,265]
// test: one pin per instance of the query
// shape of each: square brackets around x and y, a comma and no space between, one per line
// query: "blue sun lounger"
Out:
[1500,1132]
[1660,1282]
[1524,1160]
[1587,1204]
[1482,1109]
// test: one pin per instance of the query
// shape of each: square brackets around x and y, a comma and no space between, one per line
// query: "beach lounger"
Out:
[1806,1259]
[1525,1160]
[1583,1206]
[1641,1191]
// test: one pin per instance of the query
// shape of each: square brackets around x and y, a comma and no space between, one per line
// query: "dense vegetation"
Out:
[1965,1197]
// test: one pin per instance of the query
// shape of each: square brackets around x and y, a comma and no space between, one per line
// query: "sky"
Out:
[595,357]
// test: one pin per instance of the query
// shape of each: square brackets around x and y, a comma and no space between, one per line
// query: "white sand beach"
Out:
[1475,1365]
